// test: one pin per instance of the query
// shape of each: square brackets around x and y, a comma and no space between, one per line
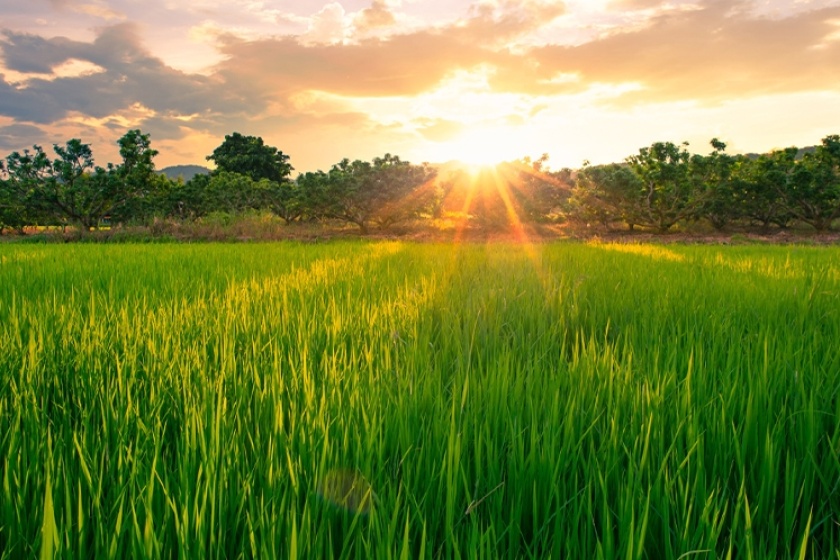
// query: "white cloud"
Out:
[328,26]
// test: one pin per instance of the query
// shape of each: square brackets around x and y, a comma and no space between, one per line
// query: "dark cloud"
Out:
[131,76]
[19,136]
[33,54]
[28,106]
[161,127]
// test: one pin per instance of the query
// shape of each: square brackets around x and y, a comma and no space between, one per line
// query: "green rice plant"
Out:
[395,400]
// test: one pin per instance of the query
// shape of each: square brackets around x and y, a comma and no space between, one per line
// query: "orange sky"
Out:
[429,80]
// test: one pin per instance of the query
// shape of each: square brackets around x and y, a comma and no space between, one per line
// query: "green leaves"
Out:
[249,155]
[382,192]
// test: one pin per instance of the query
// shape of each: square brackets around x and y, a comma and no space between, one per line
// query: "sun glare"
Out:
[482,148]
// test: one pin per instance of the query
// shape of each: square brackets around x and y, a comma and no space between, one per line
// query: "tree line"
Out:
[660,187]
[664,185]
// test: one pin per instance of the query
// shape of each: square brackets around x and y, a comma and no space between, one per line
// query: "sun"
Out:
[484,147]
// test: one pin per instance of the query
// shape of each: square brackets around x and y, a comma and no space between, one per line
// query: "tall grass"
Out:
[389,400]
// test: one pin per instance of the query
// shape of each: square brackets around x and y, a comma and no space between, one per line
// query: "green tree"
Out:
[77,190]
[142,192]
[715,193]
[606,194]
[813,191]
[669,191]
[283,199]
[538,192]
[23,175]
[381,193]
[314,195]
[250,156]
[760,186]
[235,192]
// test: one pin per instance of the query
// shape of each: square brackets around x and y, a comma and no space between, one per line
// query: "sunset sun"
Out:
[484,147]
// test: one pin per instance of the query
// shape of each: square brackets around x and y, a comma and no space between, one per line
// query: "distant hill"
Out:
[186,172]
[799,155]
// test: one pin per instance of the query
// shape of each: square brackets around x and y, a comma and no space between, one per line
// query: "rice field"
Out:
[397,400]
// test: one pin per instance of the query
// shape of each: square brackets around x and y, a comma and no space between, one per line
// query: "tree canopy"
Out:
[249,155]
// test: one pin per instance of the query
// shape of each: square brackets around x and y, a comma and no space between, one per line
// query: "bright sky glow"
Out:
[431,80]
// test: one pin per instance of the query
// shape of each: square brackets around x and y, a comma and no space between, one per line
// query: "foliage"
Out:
[284,200]
[143,192]
[813,191]
[760,186]
[251,156]
[661,186]
[669,191]
[605,194]
[76,191]
[538,193]
[382,192]
[22,175]
[713,179]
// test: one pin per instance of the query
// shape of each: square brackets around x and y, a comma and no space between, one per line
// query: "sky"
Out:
[428,80]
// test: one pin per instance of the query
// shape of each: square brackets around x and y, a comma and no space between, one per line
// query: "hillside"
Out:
[186,172]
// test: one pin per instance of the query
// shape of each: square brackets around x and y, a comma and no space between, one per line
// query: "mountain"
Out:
[186,172]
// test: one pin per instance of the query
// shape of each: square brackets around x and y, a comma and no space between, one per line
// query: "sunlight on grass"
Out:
[652,251]
[373,400]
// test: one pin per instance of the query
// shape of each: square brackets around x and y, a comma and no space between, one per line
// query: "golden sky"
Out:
[429,80]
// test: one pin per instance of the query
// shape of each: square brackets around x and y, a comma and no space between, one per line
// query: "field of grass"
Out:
[396,400]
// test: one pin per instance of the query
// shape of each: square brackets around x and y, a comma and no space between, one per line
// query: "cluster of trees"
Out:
[664,185]
[661,186]
[249,175]
[35,189]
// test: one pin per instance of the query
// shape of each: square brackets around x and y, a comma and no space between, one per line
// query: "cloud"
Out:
[100,11]
[375,75]
[375,17]
[714,53]
[635,4]
[327,26]
[399,65]
[497,23]
[127,75]
[33,54]
[95,8]
[439,130]
[15,136]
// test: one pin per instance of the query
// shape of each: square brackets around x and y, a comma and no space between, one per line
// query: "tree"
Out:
[813,191]
[284,200]
[250,156]
[22,176]
[222,191]
[608,193]
[76,190]
[235,192]
[382,192]
[142,190]
[537,191]
[715,194]
[669,191]
[760,185]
